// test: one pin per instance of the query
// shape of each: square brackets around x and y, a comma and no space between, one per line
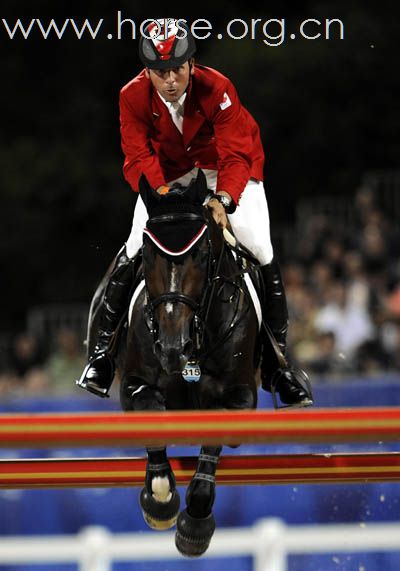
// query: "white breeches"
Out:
[250,221]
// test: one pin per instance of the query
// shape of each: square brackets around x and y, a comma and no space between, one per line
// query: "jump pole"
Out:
[232,470]
[194,427]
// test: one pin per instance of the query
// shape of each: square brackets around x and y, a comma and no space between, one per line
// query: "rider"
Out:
[178,116]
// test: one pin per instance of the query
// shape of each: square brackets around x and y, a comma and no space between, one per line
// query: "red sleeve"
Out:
[140,157]
[234,142]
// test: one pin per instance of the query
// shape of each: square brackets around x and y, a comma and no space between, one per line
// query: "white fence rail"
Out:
[269,542]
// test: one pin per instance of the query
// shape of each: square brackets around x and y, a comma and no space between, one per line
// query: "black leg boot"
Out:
[99,373]
[292,384]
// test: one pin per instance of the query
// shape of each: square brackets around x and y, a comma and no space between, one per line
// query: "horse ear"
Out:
[149,196]
[201,183]
[197,190]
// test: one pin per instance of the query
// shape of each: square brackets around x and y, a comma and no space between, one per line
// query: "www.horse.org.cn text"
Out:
[271,32]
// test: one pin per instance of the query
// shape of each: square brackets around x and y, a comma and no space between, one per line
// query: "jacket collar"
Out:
[193,117]
[181,100]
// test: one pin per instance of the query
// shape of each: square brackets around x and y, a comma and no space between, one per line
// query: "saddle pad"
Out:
[135,295]
[231,240]
[254,298]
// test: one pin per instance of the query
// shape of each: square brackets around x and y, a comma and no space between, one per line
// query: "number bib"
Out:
[192,372]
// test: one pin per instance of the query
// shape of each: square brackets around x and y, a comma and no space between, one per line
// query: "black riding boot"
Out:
[99,373]
[276,374]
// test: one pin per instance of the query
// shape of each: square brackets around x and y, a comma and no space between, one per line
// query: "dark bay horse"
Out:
[191,343]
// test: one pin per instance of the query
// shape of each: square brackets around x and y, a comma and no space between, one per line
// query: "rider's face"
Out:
[171,83]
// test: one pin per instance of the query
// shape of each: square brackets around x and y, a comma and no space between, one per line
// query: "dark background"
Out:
[328,111]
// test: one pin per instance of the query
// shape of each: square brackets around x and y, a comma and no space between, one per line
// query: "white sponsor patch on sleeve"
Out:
[226,102]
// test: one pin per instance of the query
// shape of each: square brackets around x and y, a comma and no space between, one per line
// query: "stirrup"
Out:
[302,379]
[93,388]
[90,382]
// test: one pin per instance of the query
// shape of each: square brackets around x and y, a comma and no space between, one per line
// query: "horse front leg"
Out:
[196,524]
[158,499]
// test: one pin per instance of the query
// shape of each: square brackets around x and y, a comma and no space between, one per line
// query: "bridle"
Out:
[200,308]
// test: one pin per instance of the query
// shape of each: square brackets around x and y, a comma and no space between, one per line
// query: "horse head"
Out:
[179,249]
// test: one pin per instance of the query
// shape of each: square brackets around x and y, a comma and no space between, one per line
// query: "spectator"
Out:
[357,285]
[326,360]
[66,363]
[349,322]
[374,249]
[24,374]
[320,279]
[333,253]
[364,203]
[393,302]
[316,231]
[26,354]
[371,358]
[393,346]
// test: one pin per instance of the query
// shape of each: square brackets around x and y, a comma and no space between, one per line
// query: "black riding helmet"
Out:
[171,44]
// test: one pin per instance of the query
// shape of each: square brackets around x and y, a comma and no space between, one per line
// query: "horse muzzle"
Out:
[173,359]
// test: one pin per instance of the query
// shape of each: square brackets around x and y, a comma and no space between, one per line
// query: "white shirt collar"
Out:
[181,100]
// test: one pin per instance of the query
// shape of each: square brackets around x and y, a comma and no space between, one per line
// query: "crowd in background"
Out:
[35,366]
[343,291]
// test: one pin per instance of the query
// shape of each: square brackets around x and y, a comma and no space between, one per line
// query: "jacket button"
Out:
[188,148]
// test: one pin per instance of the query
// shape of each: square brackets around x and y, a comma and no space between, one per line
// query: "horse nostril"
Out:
[157,348]
[188,348]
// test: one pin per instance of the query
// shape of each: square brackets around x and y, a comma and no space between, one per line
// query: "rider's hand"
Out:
[218,210]
[163,189]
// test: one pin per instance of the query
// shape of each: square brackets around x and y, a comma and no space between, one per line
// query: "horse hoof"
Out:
[159,515]
[193,535]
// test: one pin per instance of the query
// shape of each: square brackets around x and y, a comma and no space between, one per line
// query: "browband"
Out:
[176,217]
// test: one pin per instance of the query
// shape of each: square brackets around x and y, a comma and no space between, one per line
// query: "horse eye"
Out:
[203,256]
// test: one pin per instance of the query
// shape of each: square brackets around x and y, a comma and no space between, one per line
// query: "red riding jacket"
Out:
[218,133]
